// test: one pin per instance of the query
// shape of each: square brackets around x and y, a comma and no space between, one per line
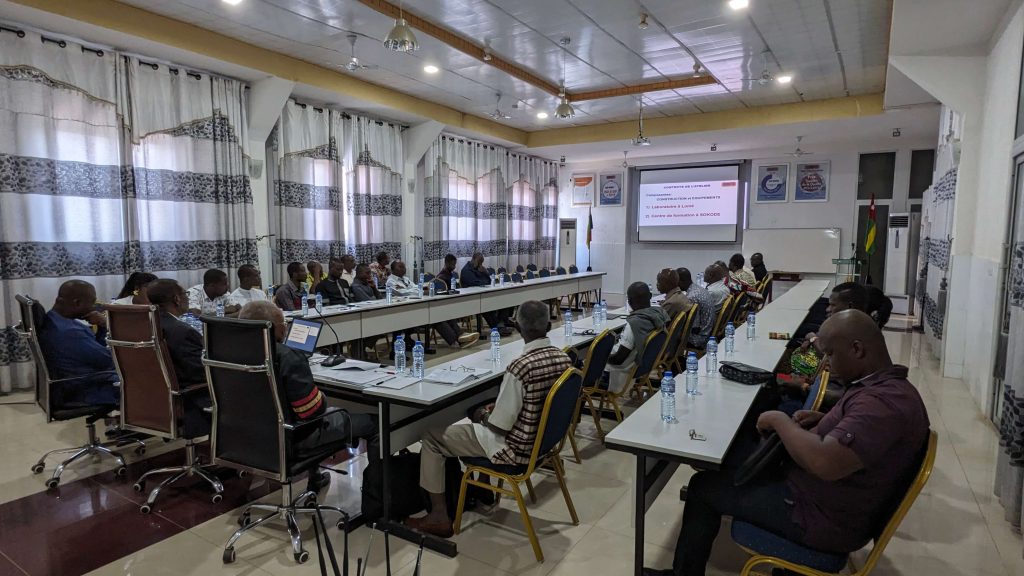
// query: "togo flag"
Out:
[590,227]
[869,237]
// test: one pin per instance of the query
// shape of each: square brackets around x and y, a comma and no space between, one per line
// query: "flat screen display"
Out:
[303,335]
[695,204]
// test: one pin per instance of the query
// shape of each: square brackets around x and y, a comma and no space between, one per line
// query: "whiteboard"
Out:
[804,250]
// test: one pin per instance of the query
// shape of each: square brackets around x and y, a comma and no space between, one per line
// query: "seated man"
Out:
[675,302]
[504,433]
[643,320]
[704,323]
[248,290]
[715,276]
[401,285]
[736,269]
[364,289]
[848,466]
[314,275]
[448,274]
[289,295]
[474,273]
[757,266]
[305,400]
[204,298]
[348,268]
[380,269]
[335,289]
[74,352]
[184,344]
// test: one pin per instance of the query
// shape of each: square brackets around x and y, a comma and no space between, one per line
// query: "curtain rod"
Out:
[508,152]
[19,33]
[346,115]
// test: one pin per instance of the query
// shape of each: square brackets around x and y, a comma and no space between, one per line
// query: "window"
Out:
[876,176]
[922,165]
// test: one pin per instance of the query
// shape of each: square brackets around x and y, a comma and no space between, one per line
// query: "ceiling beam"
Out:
[643,88]
[462,44]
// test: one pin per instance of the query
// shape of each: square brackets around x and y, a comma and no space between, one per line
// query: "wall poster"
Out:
[610,192]
[772,183]
[811,182]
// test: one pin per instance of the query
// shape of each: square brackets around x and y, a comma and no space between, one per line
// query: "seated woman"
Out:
[134,290]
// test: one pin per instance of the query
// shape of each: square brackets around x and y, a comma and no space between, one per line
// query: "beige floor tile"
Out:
[184,554]
[606,552]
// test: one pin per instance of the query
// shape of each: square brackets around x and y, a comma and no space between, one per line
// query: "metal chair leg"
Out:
[560,474]
[529,488]
[295,535]
[526,521]
[463,488]
[575,449]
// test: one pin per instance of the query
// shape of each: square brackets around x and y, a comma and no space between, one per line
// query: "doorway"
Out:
[566,243]
[1014,228]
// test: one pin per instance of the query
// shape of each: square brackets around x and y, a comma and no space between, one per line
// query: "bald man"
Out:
[847,466]
[75,353]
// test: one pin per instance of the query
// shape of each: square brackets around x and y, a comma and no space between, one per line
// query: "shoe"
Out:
[506,331]
[422,525]
[468,339]
[318,480]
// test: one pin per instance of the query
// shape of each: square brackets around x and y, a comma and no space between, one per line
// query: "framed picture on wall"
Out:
[772,183]
[811,182]
[610,191]
[583,189]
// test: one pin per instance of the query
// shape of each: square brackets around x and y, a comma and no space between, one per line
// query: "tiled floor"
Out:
[955,528]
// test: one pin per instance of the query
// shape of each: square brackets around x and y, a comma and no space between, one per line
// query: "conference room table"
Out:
[707,423]
[405,414]
[347,323]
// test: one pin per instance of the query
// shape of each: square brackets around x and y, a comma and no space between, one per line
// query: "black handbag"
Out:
[770,454]
[745,373]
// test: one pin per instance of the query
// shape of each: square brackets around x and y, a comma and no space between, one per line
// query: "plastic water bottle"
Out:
[423,278]
[417,360]
[432,290]
[455,283]
[220,309]
[502,280]
[568,323]
[319,303]
[270,292]
[668,398]
[730,338]
[691,374]
[304,297]
[751,326]
[494,280]
[700,279]
[388,294]
[495,347]
[712,355]
[598,319]
[400,355]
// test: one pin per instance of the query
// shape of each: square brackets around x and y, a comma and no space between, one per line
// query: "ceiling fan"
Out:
[766,77]
[798,152]
[498,114]
[354,65]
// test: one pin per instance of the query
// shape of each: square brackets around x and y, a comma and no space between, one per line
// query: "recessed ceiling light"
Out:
[738,4]
[232,2]
[784,79]
[431,69]
[542,115]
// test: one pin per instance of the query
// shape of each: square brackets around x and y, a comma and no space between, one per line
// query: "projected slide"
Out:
[693,204]
[688,203]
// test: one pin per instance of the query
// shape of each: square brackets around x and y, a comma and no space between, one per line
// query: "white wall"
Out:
[617,252]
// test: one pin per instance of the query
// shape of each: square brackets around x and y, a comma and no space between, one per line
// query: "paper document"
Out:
[351,364]
[299,334]
[365,378]
[398,382]
[457,375]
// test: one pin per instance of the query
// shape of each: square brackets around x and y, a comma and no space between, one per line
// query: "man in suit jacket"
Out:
[184,344]
[363,288]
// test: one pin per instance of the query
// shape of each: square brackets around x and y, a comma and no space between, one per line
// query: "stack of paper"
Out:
[456,376]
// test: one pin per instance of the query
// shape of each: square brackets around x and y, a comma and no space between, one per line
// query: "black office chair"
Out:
[252,432]
[517,278]
[560,271]
[573,269]
[33,319]
[545,273]
[490,270]
[520,269]
[532,267]
[502,270]
[530,274]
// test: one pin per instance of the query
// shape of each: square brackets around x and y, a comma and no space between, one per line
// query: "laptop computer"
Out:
[303,335]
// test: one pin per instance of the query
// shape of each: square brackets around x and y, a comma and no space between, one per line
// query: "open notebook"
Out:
[455,376]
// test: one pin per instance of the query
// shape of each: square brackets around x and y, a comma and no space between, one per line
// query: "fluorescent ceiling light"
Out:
[542,115]
[431,69]
[784,79]
[232,2]
[738,4]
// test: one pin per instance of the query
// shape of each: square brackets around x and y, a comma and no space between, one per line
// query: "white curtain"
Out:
[373,188]
[533,211]
[60,180]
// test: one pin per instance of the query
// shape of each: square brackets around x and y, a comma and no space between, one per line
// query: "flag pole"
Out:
[590,228]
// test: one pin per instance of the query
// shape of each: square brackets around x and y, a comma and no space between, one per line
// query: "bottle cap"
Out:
[667,375]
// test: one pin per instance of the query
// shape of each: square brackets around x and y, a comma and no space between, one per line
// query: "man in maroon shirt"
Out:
[848,466]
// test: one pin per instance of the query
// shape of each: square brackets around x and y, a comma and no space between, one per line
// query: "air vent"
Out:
[899,221]
[567,225]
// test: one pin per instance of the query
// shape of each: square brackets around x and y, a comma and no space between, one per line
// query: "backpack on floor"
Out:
[407,498]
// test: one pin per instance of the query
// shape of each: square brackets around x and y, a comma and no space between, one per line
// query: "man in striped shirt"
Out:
[291,367]
[503,432]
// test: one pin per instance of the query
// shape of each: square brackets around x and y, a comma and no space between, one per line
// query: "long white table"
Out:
[406,413]
[716,413]
[796,297]
[364,319]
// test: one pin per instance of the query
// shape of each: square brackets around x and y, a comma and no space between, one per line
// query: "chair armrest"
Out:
[309,421]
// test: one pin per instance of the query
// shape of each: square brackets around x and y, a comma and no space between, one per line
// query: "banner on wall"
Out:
[583,189]
[611,190]
[772,182]
[811,182]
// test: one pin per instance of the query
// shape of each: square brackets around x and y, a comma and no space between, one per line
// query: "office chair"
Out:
[252,431]
[676,346]
[33,319]
[530,274]
[593,368]
[555,420]
[531,267]
[545,273]
[152,401]
[642,368]
[520,269]
[775,551]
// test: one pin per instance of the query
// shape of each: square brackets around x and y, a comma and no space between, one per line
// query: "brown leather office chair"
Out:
[33,319]
[152,401]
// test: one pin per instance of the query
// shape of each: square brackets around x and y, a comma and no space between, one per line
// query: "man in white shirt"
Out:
[348,266]
[248,290]
[643,320]
[503,432]
[737,270]
[401,285]
[203,298]
[715,276]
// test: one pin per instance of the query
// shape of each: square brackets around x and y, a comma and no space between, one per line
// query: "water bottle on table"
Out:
[495,347]
[751,326]
[220,309]
[417,360]
[432,289]
[668,398]
[400,355]
[494,280]
[730,338]
[304,297]
[319,303]
[388,294]
[691,374]
[712,355]
[567,321]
